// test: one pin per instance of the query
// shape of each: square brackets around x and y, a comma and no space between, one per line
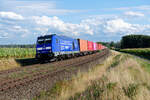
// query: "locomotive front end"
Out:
[44,47]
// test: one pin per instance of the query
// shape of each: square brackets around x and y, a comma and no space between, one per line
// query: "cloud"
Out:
[19,29]
[57,25]
[142,7]
[3,34]
[92,26]
[41,30]
[13,31]
[117,25]
[46,8]
[11,15]
[134,14]
[96,28]
[37,7]
[120,27]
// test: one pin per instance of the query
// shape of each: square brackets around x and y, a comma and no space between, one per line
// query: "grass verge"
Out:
[6,64]
[65,89]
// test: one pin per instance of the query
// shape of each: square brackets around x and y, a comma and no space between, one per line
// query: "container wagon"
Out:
[83,46]
[90,47]
[97,46]
[103,47]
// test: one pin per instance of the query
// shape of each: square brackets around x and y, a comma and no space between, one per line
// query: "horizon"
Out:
[22,21]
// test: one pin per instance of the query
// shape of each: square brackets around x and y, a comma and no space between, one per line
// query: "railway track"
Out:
[34,67]
[44,72]
[30,69]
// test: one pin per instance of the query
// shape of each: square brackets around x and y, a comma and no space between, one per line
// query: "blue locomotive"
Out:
[54,46]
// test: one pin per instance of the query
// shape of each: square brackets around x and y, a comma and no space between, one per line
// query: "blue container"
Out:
[54,45]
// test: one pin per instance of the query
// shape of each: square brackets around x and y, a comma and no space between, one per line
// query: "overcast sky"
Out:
[22,21]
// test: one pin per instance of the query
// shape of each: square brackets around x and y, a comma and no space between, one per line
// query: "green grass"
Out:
[17,52]
[144,64]
[131,90]
[142,52]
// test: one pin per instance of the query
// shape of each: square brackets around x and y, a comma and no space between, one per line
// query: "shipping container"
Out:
[64,44]
[95,46]
[83,45]
[90,46]
[99,46]
[103,47]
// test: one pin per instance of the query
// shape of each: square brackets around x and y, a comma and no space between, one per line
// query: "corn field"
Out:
[17,52]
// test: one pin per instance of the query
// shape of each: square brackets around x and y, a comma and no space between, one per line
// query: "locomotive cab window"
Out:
[44,40]
[40,41]
[48,40]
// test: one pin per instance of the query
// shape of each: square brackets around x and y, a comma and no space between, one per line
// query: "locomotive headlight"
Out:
[39,48]
[48,47]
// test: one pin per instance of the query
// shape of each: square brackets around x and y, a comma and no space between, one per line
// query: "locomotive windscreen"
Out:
[40,41]
[44,40]
[47,40]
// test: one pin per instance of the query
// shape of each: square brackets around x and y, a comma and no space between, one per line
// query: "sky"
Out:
[22,21]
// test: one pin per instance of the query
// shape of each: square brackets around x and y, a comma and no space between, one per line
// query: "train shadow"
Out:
[27,61]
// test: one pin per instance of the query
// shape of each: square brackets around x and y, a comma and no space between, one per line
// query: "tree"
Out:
[135,41]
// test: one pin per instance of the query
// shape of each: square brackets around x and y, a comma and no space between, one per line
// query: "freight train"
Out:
[61,47]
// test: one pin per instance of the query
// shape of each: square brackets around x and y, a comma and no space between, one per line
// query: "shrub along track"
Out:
[26,83]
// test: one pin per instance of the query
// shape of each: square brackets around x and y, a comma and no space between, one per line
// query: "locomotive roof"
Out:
[59,36]
[44,36]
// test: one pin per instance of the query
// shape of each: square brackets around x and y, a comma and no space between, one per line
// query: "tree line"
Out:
[135,41]
[130,41]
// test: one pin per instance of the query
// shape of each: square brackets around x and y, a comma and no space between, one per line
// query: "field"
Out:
[121,77]
[15,57]
[142,52]
[17,52]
